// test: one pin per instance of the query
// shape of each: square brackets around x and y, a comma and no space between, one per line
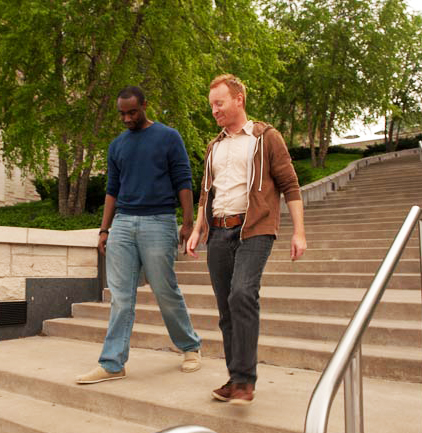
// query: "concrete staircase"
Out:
[305,308]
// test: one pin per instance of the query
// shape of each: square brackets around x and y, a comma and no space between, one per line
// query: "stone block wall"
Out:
[36,253]
[15,189]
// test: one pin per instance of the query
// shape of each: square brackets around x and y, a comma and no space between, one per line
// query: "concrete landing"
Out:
[38,394]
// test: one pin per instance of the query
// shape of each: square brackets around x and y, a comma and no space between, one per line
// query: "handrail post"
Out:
[353,394]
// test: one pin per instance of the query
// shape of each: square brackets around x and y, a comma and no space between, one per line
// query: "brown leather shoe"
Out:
[223,393]
[242,394]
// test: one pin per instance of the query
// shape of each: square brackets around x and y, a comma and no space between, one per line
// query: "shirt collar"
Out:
[247,129]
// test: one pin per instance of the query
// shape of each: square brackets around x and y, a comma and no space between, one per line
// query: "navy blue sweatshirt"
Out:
[146,170]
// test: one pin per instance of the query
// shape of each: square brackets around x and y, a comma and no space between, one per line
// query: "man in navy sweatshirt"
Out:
[147,168]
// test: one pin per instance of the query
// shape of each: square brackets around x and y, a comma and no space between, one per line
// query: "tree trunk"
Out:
[397,135]
[63,187]
[83,186]
[322,132]
[390,144]
[323,149]
[311,132]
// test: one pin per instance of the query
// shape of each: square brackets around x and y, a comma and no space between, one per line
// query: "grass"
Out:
[43,214]
[334,162]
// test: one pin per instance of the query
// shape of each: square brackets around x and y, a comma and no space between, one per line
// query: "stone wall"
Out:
[15,189]
[26,252]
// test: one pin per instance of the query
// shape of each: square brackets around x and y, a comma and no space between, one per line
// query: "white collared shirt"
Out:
[229,171]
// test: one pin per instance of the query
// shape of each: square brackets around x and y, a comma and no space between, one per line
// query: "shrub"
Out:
[299,153]
[48,189]
[404,143]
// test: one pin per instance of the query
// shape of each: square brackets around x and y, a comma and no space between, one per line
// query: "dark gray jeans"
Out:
[236,268]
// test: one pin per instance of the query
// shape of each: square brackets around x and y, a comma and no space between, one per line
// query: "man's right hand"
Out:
[102,243]
[192,243]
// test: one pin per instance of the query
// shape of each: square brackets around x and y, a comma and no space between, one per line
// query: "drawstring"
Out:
[261,138]
[206,172]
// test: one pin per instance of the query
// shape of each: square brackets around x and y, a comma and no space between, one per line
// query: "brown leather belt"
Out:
[228,222]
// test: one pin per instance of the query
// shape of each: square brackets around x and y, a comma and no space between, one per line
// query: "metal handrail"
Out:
[420,147]
[346,360]
[187,429]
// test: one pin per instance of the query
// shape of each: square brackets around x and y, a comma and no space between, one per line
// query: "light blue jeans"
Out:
[148,243]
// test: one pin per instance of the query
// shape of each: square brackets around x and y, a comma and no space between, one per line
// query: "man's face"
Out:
[225,109]
[131,112]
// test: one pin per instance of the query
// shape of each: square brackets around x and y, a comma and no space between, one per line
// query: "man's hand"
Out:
[102,243]
[193,243]
[297,246]
[184,235]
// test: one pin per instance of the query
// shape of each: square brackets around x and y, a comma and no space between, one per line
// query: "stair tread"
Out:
[301,318]
[329,293]
[49,417]
[310,273]
[304,260]
[382,351]
[170,398]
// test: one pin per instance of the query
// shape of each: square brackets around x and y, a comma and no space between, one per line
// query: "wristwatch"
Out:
[103,231]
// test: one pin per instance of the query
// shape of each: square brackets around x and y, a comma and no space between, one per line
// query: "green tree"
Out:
[59,84]
[396,51]
[326,84]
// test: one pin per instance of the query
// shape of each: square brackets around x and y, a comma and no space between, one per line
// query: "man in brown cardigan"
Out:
[247,167]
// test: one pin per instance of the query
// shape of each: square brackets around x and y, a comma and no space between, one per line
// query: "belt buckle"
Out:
[225,223]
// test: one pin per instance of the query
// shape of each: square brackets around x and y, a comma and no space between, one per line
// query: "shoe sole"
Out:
[191,370]
[87,382]
[240,402]
[220,397]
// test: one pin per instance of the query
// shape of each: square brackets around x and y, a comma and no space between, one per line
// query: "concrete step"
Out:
[372,211]
[308,279]
[284,243]
[388,332]
[368,208]
[312,221]
[368,201]
[362,234]
[313,217]
[158,395]
[386,178]
[347,227]
[347,202]
[392,195]
[392,182]
[314,266]
[371,193]
[324,254]
[389,362]
[22,414]
[324,301]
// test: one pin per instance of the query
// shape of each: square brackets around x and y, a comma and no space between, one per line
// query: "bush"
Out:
[304,174]
[299,153]
[48,189]
[43,215]
[96,192]
[404,143]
